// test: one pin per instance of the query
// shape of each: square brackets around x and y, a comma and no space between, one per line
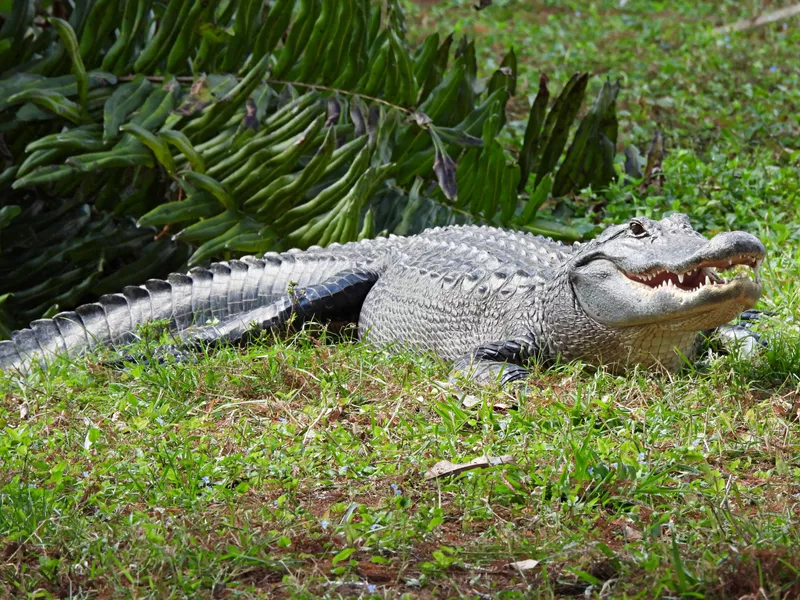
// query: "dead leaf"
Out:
[794,412]
[631,534]
[333,414]
[653,173]
[421,119]
[23,411]
[469,401]
[525,565]
[445,467]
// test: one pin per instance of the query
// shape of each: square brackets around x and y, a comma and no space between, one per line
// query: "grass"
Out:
[295,468]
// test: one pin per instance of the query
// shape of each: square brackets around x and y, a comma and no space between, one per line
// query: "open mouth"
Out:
[701,275]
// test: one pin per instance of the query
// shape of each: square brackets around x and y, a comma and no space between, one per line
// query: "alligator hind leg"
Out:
[339,297]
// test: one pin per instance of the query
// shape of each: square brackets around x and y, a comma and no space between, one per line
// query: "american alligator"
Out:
[486,298]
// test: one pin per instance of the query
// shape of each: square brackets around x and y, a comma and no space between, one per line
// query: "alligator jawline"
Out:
[696,278]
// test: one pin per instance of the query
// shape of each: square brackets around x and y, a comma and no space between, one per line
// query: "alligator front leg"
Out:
[500,362]
[737,337]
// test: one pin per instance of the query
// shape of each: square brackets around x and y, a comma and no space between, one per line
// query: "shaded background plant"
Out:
[240,127]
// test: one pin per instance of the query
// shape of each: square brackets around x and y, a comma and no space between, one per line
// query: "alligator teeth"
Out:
[695,279]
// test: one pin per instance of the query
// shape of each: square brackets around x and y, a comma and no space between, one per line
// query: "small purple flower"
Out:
[397,490]
[206,479]
[773,69]
[159,420]
[371,588]
[374,527]
[324,523]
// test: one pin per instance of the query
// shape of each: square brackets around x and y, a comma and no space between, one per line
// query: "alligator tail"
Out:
[223,289]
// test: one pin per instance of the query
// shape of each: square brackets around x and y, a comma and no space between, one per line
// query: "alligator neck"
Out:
[569,332]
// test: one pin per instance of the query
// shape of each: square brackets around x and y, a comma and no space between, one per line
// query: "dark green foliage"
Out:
[312,125]
[56,252]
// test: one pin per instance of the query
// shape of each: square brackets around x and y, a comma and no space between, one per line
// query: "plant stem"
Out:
[313,86]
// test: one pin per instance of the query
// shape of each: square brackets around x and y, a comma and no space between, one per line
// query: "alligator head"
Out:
[664,273]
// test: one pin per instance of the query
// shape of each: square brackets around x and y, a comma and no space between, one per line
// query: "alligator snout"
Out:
[726,249]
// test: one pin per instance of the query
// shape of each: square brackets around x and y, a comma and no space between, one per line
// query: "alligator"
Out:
[488,299]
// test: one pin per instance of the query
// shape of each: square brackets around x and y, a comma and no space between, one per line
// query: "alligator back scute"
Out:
[272,264]
[201,293]
[181,292]
[238,277]
[138,303]
[94,322]
[219,290]
[26,343]
[9,355]
[72,331]
[255,270]
[280,282]
[159,293]
[118,317]
[49,336]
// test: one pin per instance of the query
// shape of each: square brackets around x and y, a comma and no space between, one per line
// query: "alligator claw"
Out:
[748,317]
[161,356]
[739,339]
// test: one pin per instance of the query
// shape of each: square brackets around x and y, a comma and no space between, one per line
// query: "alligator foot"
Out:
[160,356]
[486,372]
[738,337]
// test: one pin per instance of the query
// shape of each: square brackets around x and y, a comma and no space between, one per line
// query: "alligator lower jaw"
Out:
[698,277]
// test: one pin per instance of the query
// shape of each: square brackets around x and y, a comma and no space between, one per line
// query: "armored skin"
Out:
[486,298]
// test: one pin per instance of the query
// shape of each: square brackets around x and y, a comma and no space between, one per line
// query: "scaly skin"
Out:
[486,298]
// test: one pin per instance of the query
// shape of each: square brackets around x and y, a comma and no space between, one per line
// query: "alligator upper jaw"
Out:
[701,274]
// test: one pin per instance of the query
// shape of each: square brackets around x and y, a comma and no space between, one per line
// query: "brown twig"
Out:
[759,20]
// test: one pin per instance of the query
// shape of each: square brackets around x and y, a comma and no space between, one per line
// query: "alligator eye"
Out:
[637,228]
